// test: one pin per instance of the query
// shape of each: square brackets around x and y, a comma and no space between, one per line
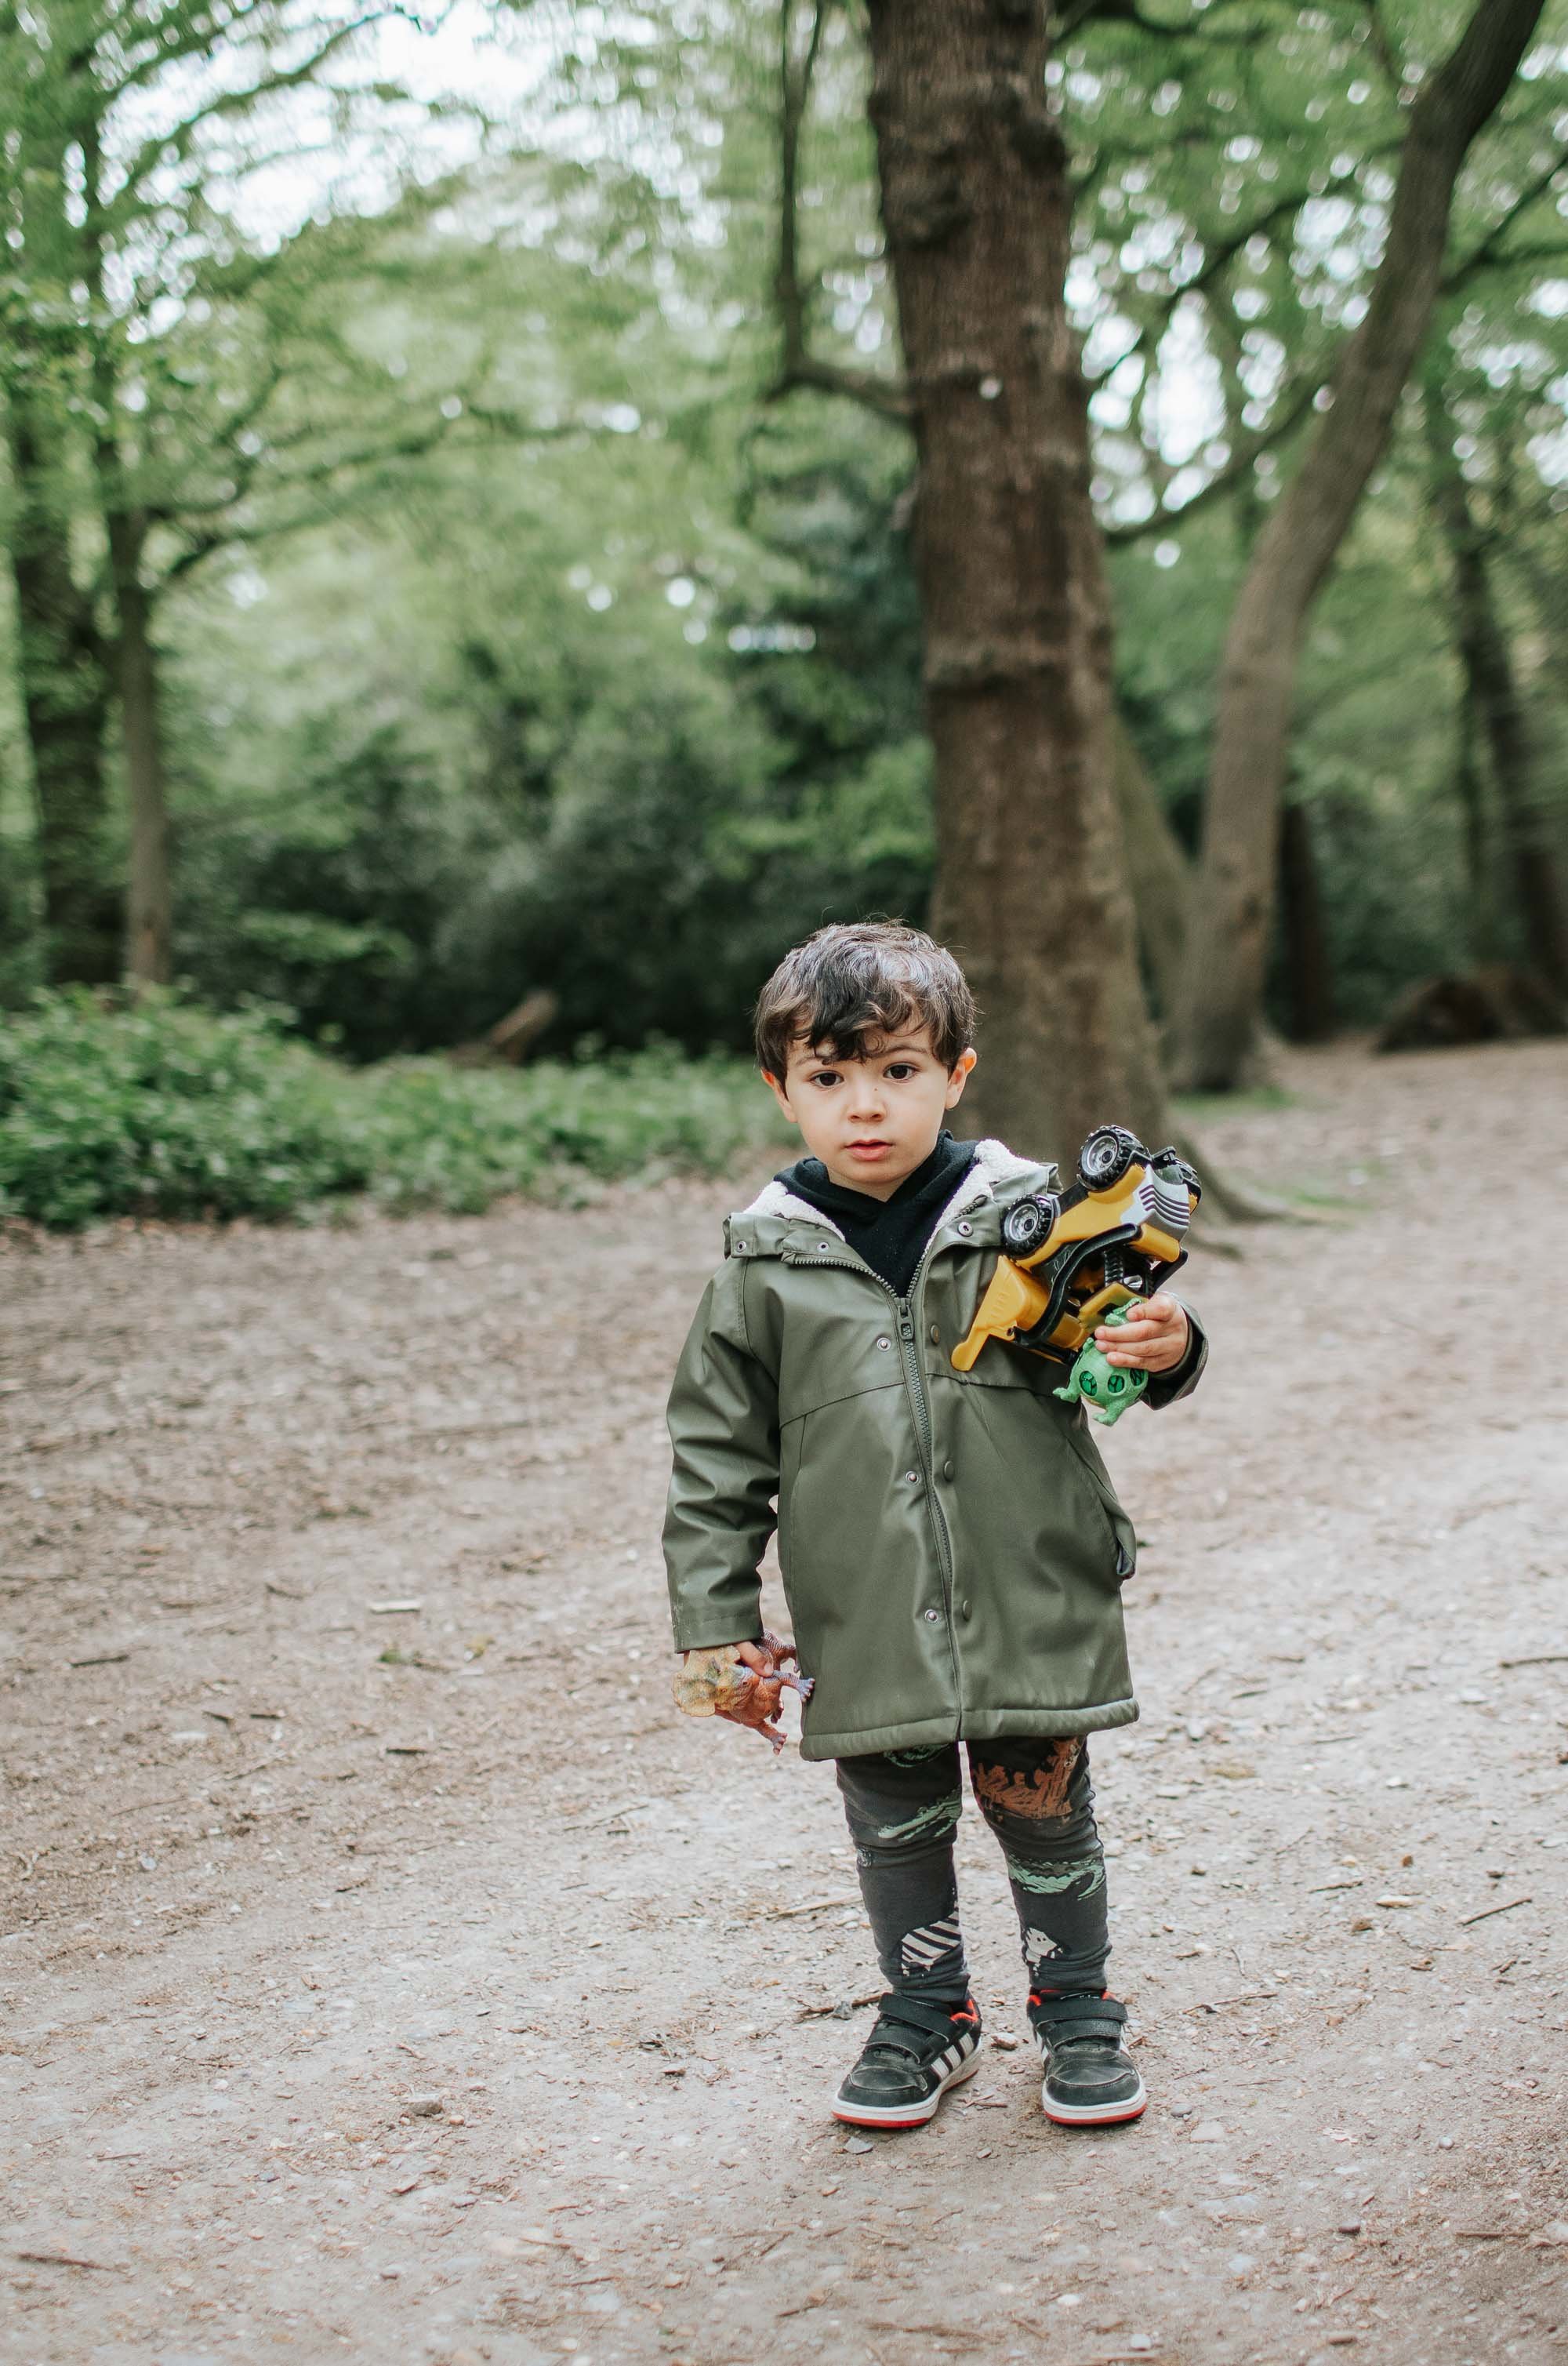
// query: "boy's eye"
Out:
[900,1070]
[826,1077]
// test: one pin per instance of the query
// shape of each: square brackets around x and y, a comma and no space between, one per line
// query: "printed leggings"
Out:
[904,1808]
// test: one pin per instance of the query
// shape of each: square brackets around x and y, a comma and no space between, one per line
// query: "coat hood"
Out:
[778,1223]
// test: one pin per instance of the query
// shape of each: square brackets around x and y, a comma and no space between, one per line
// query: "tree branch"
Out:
[1290,415]
[200,33]
[798,365]
[1073,17]
[1488,253]
[198,36]
[417,444]
[177,139]
[1219,257]
[1550,250]
[1381,46]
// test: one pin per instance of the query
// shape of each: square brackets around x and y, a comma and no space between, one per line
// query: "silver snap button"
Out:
[936,1336]
[934,1616]
[884,1342]
[912,1476]
[966,1230]
[740,1244]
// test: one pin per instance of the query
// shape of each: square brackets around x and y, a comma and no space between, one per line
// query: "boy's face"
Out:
[872,1120]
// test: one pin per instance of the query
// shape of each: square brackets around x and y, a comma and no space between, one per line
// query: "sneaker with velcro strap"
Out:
[1091,2078]
[918,2049]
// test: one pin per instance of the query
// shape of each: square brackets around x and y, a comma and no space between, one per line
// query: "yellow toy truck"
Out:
[1070,1259]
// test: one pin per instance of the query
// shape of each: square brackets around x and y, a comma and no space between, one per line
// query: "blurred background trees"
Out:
[457,486]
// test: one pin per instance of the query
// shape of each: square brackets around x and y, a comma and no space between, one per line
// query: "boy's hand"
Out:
[742,1682]
[1153,1338]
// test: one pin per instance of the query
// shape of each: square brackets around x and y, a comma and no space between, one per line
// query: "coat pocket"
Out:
[1118,1525]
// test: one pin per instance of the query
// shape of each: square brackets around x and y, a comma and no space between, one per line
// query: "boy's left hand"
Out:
[1153,1338]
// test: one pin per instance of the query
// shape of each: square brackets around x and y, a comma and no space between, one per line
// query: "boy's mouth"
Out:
[872,1146]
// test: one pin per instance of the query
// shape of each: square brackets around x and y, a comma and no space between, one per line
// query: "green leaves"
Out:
[169,1110]
[164,1110]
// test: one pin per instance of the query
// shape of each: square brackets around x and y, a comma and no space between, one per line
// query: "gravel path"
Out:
[388,1973]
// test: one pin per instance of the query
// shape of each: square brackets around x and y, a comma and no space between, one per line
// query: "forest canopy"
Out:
[457,488]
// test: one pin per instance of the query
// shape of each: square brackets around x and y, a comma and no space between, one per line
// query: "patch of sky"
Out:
[772,638]
[1186,409]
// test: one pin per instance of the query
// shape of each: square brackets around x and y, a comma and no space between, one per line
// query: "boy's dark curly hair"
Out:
[857,984]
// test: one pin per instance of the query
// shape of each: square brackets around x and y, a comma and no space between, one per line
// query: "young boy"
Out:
[951,1546]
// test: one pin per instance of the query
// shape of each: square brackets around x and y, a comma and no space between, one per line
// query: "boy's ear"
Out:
[958,1076]
[776,1089]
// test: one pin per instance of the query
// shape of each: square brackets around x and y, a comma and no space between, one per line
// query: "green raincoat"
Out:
[951,1545]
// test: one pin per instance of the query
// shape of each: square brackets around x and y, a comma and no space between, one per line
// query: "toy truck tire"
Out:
[1106,1155]
[1027,1223]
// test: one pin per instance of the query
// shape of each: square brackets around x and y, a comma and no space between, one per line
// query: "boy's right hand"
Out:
[742,1682]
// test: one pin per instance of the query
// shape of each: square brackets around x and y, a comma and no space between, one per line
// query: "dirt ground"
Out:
[387,1972]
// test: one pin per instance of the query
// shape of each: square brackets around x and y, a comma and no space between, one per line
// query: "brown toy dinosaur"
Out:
[747,1690]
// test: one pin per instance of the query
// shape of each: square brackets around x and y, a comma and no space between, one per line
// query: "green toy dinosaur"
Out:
[1110,1388]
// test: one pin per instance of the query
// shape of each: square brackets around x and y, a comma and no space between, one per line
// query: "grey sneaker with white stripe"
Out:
[1091,2078]
[918,2049]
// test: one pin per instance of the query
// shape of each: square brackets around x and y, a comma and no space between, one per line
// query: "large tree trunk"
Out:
[1309,968]
[61,664]
[65,695]
[1470,793]
[1233,907]
[1493,697]
[1160,874]
[1030,881]
[149,899]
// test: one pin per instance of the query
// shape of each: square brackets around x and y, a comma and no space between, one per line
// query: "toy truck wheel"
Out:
[1106,1155]
[1026,1226]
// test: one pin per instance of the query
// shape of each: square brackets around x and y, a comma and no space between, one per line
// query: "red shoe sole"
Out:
[850,2118]
[1106,2120]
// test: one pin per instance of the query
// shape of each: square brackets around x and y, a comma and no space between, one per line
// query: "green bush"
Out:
[445,1137]
[169,1110]
[164,1109]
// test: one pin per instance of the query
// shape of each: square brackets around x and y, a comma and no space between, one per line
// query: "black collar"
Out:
[889,1233]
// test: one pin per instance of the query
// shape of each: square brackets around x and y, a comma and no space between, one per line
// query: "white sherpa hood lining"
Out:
[994,1163]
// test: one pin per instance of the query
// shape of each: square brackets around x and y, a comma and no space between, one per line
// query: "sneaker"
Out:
[1091,2078]
[918,2049]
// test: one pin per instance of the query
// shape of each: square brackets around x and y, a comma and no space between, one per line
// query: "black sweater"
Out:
[889,1233]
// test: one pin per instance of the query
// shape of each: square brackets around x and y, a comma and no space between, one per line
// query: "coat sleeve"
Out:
[1167,1387]
[723,1427]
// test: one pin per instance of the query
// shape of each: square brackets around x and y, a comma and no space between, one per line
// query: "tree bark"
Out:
[1030,887]
[65,696]
[1469,791]
[149,957]
[1309,969]
[61,663]
[1233,907]
[1494,699]
[1160,874]
[149,911]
